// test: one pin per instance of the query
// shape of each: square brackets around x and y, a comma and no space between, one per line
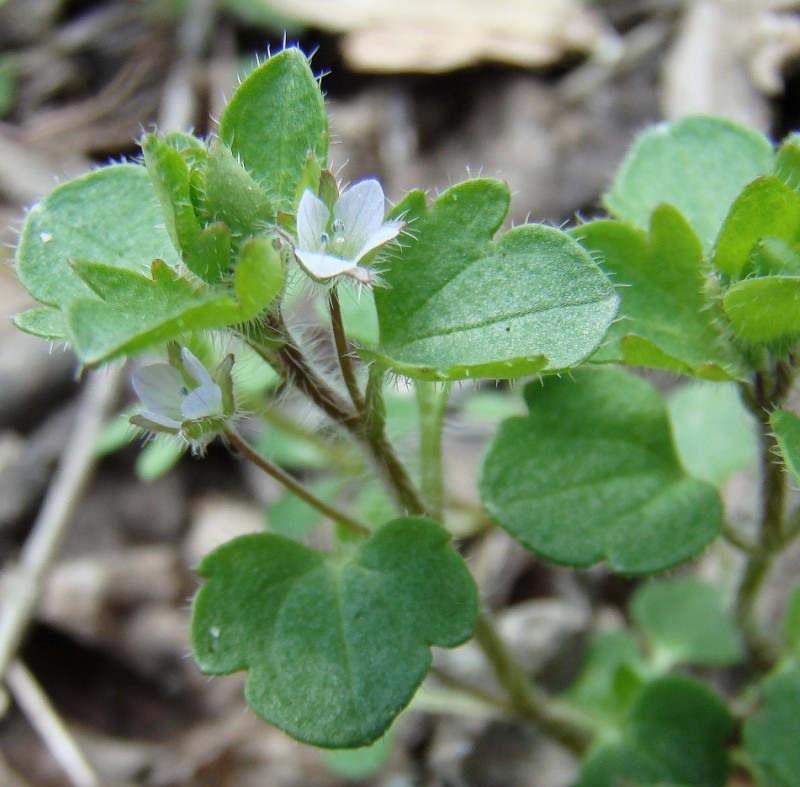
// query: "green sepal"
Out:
[674,736]
[335,645]
[231,196]
[787,161]
[698,164]
[328,189]
[591,474]
[786,427]
[765,309]
[667,318]
[458,304]
[43,322]
[273,119]
[766,208]
[169,173]
[210,256]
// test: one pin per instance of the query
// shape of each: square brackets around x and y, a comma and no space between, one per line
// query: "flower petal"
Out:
[159,387]
[202,402]
[312,222]
[322,266]
[386,232]
[361,210]
[196,370]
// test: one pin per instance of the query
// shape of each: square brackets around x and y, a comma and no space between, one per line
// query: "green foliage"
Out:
[697,164]
[458,304]
[685,622]
[673,735]
[591,474]
[714,434]
[273,119]
[697,273]
[667,318]
[771,734]
[333,643]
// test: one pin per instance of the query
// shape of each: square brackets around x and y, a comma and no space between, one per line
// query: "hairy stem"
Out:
[431,404]
[765,394]
[556,720]
[294,486]
[340,342]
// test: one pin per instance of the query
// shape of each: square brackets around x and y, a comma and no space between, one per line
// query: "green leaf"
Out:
[714,434]
[685,621]
[210,254]
[698,164]
[591,474]
[458,304]
[46,323]
[667,319]
[273,119]
[675,735]
[110,215]
[231,196]
[766,208]
[771,735]
[335,645]
[766,309]
[134,312]
[786,426]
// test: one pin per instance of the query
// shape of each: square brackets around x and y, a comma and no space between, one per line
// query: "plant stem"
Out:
[762,398]
[340,342]
[556,720]
[294,486]
[366,428]
[431,404]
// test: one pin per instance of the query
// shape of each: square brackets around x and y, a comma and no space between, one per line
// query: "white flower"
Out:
[332,245]
[182,399]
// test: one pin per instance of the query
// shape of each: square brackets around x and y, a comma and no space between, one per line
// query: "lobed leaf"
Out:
[133,312]
[109,215]
[273,119]
[667,318]
[458,304]
[335,645]
[591,474]
[698,164]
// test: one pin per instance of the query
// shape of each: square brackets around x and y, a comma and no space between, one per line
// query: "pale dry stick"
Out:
[43,717]
[66,489]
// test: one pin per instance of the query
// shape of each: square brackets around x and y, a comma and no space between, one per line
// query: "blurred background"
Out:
[546,94]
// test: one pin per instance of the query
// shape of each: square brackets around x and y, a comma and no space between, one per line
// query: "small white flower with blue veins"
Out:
[332,245]
[181,398]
